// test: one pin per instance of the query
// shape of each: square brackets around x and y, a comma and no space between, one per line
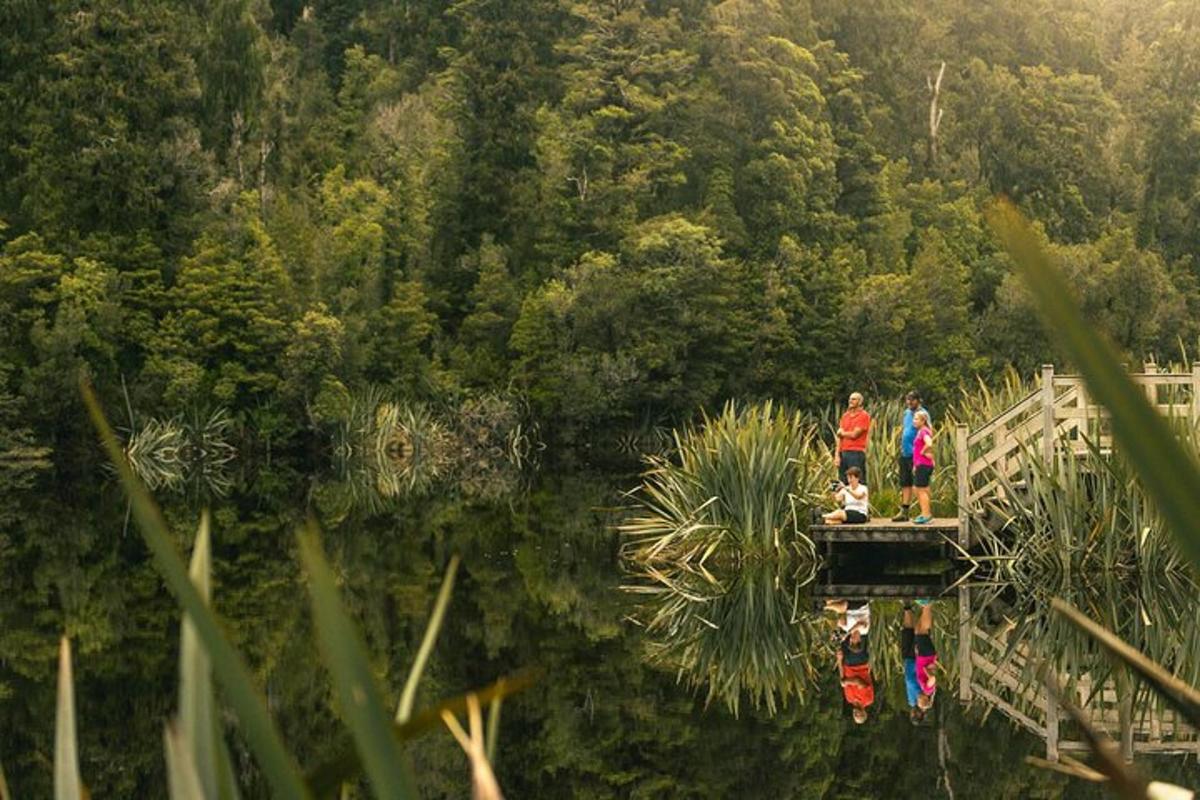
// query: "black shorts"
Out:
[923,474]
[924,645]
[906,472]
[906,643]
[855,517]
[853,458]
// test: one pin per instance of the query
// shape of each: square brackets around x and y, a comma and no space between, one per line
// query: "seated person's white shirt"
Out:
[854,616]
[852,503]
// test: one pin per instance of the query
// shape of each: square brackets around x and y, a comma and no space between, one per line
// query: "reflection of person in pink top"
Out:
[926,656]
[923,465]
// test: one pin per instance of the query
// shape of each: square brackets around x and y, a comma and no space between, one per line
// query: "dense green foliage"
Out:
[626,211]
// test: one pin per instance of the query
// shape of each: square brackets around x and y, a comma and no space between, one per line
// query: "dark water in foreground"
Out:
[538,587]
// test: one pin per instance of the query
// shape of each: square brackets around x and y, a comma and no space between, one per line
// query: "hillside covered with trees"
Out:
[621,210]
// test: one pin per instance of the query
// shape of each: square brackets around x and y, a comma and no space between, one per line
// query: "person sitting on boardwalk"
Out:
[923,465]
[854,655]
[908,435]
[854,499]
[908,655]
[926,657]
[850,450]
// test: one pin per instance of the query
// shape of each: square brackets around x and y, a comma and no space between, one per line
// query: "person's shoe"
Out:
[908,605]
[923,520]
[902,516]
[923,601]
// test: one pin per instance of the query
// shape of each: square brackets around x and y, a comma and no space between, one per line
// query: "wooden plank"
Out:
[1010,712]
[877,531]
[1195,376]
[879,537]
[1162,378]
[963,479]
[890,590]
[1009,679]
[1051,727]
[964,644]
[1003,418]
[1048,435]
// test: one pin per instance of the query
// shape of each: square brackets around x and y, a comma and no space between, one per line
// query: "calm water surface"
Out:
[539,586]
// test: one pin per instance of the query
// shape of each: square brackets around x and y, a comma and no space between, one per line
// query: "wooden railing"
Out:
[998,678]
[1059,414]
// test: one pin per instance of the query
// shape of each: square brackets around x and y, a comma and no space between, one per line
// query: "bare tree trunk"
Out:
[935,114]
[265,147]
[235,144]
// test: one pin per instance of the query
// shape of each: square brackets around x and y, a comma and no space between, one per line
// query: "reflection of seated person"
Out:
[854,656]
[908,654]
[926,657]
[852,496]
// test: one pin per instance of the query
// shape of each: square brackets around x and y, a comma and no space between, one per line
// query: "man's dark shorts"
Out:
[907,643]
[923,473]
[856,517]
[853,458]
[924,645]
[906,472]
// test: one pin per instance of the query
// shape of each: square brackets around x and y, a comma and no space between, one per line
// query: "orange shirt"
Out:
[852,420]
[861,696]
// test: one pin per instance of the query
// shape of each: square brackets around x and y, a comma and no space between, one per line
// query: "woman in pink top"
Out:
[922,465]
[926,656]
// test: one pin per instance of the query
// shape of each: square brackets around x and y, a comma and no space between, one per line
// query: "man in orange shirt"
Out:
[851,448]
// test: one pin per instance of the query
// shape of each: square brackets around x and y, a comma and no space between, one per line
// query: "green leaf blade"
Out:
[358,694]
[67,783]
[278,766]
[408,696]
[1168,470]
[196,719]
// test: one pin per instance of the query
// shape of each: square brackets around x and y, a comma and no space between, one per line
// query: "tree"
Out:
[228,328]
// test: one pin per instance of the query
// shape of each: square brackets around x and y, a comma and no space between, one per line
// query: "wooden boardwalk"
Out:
[884,530]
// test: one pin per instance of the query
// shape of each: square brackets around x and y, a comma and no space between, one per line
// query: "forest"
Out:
[621,212]
[530,231]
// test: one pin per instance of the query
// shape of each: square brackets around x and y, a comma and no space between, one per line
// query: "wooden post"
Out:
[1048,422]
[1196,392]
[1150,387]
[962,465]
[1125,691]
[965,641]
[1051,727]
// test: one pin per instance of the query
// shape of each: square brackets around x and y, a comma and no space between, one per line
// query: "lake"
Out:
[540,587]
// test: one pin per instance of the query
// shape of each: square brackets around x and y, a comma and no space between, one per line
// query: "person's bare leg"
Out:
[839,606]
[835,517]
[906,496]
[925,621]
[926,505]
[907,620]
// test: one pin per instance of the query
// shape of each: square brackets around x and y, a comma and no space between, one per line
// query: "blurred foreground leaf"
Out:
[1168,470]
[278,766]
[358,694]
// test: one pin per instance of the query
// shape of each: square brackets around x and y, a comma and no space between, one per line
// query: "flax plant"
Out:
[740,485]
[750,634]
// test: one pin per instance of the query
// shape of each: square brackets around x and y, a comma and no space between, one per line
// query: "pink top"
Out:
[923,665]
[923,448]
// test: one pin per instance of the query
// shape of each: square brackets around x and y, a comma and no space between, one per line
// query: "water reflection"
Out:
[745,632]
[538,586]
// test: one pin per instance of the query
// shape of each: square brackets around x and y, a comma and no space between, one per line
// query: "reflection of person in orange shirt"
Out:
[854,656]
[853,430]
